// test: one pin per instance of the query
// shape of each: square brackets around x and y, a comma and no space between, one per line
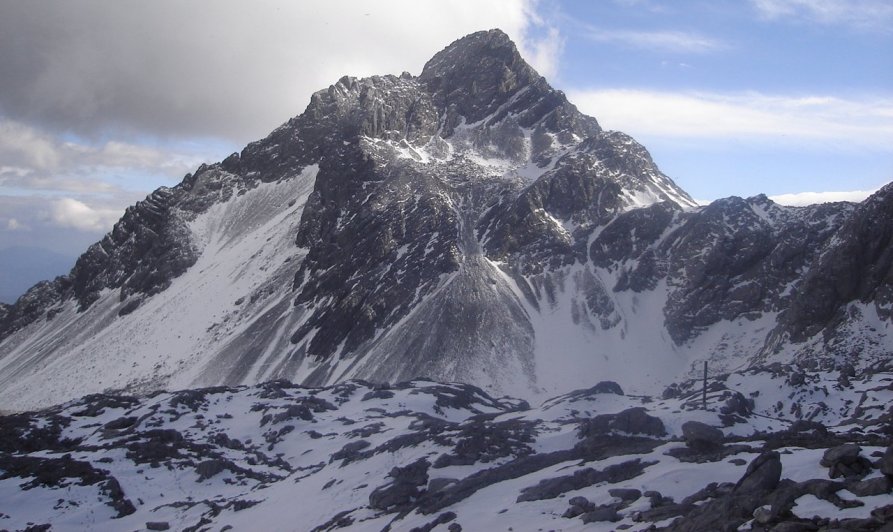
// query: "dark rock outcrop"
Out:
[701,437]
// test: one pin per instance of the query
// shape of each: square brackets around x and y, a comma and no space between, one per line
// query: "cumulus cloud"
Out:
[14,225]
[818,120]
[222,67]
[875,15]
[810,198]
[34,223]
[38,160]
[69,212]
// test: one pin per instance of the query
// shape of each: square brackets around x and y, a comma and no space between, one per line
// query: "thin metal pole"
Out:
[704,396]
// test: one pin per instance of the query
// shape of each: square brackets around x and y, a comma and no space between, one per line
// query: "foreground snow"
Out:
[432,456]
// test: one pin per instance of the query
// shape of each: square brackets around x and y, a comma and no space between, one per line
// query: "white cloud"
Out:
[810,198]
[14,225]
[835,122]
[544,53]
[660,41]
[26,146]
[37,160]
[69,212]
[861,14]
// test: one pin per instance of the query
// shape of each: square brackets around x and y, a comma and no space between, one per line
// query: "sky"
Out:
[102,102]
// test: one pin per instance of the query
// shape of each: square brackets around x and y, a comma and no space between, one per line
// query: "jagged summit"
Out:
[468,224]
[479,73]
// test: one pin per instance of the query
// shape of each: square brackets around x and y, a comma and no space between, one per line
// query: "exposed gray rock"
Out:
[873,486]
[607,387]
[404,488]
[600,514]
[886,462]
[847,452]
[625,494]
[578,506]
[845,461]
[553,487]
[700,436]
[630,421]
[762,474]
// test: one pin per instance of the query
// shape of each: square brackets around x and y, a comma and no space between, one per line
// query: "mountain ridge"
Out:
[468,224]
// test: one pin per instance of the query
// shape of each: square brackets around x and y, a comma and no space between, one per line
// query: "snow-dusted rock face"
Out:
[776,449]
[467,224]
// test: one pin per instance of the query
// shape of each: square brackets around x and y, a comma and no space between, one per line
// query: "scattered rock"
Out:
[657,499]
[665,511]
[209,468]
[886,462]
[842,453]
[579,501]
[631,421]
[762,474]
[606,387]
[625,494]
[873,486]
[350,451]
[702,437]
[551,488]
[602,513]
[845,461]
[578,506]
[763,515]
[404,488]
[437,484]
[797,378]
[377,394]
[805,425]
[711,491]
[735,409]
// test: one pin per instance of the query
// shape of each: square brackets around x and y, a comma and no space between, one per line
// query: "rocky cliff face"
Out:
[466,224]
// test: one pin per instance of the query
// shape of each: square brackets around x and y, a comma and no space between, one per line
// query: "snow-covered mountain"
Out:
[424,456]
[467,224]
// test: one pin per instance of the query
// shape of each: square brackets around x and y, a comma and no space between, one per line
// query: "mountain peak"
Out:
[469,225]
[481,45]
[478,73]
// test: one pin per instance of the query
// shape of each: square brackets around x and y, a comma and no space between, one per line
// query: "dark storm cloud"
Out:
[202,68]
[103,101]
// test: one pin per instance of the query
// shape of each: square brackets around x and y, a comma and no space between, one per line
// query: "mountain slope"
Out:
[467,224]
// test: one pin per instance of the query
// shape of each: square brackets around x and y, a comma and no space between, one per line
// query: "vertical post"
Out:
[704,396]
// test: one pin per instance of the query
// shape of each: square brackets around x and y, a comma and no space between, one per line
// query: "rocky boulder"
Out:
[845,461]
[763,474]
[886,462]
[404,489]
[702,437]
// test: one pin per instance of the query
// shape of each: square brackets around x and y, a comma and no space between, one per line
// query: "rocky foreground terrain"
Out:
[779,448]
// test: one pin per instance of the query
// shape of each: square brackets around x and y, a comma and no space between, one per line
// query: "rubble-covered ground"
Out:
[778,448]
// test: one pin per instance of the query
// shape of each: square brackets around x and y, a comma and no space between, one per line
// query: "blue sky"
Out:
[103,102]
[739,98]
